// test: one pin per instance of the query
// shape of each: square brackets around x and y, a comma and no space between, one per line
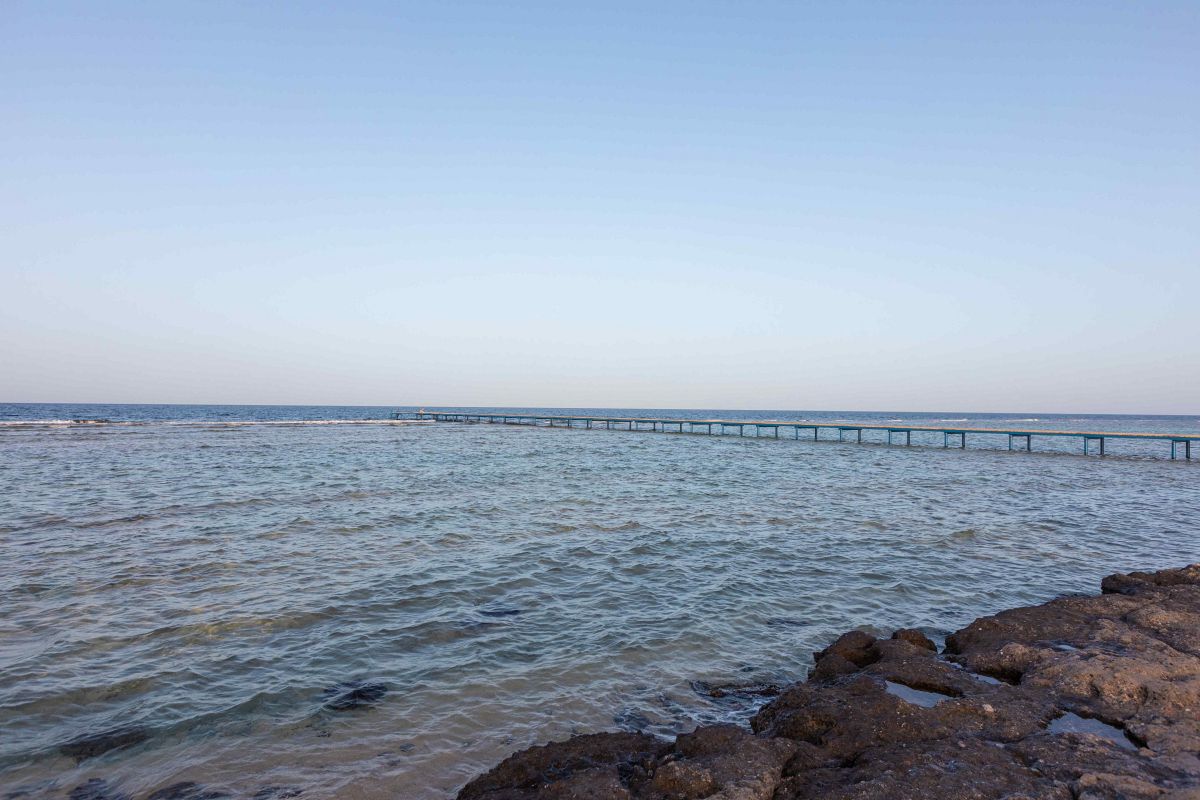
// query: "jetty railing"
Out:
[718,427]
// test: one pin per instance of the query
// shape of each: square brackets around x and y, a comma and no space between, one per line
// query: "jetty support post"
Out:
[962,438]
[1028,437]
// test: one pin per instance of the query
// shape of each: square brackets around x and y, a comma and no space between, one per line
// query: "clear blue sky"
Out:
[972,206]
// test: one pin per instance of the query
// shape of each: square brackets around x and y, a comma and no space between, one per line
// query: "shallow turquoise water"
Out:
[205,582]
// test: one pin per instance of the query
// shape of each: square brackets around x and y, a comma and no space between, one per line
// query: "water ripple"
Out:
[213,586]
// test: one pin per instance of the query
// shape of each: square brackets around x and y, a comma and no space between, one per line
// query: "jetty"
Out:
[1092,441]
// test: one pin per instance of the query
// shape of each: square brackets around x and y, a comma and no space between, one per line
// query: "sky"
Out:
[852,206]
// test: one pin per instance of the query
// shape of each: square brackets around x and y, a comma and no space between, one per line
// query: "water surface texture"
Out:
[210,588]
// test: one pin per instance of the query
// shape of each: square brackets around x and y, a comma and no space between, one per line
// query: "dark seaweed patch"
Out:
[96,789]
[91,746]
[186,790]
[350,695]
[276,792]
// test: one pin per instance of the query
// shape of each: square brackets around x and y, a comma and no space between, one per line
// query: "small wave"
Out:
[624,526]
[352,528]
[69,423]
[957,419]
[105,523]
[294,422]
[47,521]
[58,423]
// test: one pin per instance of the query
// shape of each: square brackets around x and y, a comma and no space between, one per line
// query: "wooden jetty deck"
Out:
[954,435]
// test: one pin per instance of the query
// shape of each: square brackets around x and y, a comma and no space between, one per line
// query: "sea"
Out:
[319,602]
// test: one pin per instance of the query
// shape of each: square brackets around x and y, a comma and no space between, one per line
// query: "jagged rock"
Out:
[915,637]
[569,769]
[723,761]
[740,690]
[857,647]
[889,719]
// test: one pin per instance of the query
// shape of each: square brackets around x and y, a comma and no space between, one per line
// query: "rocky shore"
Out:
[1081,698]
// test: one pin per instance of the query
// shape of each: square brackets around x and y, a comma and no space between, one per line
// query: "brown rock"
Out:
[915,637]
[891,720]
[723,761]
[566,769]
[830,668]
[857,647]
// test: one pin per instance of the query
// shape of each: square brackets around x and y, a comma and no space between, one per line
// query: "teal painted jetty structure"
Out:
[950,436]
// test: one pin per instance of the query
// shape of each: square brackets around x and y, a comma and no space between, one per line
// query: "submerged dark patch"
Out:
[735,689]
[186,790]
[632,721]
[96,789]
[276,792]
[500,612]
[354,694]
[91,746]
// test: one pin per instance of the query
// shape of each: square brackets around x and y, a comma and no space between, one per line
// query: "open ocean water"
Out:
[268,604]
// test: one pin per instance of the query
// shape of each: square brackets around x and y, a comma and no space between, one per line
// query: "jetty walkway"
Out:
[1180,443]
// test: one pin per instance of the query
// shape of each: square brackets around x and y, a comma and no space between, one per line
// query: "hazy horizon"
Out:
[854,207]
[436,406]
